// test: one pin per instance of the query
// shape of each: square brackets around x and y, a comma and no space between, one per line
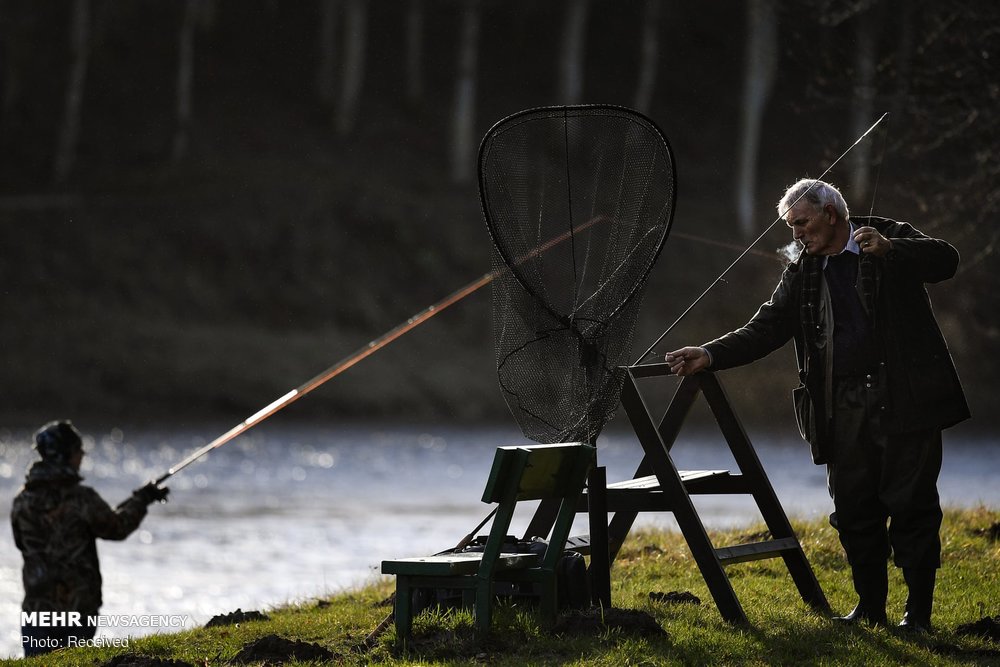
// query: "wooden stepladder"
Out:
[659,486]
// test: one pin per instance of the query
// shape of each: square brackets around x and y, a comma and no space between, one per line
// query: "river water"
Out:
[287,513]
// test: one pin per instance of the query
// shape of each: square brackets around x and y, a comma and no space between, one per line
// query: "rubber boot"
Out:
[920,582]
[871,582]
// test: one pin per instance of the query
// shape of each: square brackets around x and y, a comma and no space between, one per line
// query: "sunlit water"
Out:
[286,513]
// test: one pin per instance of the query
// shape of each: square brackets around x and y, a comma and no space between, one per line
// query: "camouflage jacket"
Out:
[56,521]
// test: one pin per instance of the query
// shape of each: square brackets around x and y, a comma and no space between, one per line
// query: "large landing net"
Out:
[579,201]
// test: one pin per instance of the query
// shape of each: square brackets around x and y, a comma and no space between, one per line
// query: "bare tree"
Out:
[326,73]
[69,133]
[185,80]
[8,73]
[463,118]
[863,104]
[760,68]
[903,58]
[649,55]
[571,60]
[415,52]
[208,15]
[355,42]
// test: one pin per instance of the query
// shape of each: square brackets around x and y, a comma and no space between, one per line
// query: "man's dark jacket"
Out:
[924,390]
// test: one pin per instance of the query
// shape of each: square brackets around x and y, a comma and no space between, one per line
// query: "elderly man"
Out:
[877,384]
[56,521]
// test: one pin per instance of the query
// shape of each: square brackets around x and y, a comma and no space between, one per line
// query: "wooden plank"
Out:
[600,556]
[539,471]
[651,483]
[455,564]
[505,474]
[740,553]
[551,470]
[649,370]
[578,543]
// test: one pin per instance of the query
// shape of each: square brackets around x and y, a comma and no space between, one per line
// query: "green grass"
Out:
[782,631]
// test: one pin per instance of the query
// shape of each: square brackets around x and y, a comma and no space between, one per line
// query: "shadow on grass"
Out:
[686,636]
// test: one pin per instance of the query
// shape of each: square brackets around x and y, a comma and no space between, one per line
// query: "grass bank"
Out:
[783,630]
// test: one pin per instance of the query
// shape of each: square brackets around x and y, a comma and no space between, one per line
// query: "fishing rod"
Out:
[366,351]
[755,241]
[724,244]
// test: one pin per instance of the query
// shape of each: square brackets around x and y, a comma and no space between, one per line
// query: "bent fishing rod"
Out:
[366,351]
[748,249]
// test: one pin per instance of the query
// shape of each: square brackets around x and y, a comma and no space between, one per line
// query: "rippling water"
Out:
[288,513]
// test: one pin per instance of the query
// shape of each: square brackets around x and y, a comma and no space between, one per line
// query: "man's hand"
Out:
[871,242]
[687,360]
[152,493]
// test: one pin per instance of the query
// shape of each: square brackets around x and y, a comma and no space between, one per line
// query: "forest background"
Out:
[204,203]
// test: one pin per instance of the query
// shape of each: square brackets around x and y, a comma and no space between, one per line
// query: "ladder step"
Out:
[578,543]
[756,550]
[651,483]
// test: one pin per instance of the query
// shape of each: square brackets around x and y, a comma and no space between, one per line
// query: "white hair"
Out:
[818,193]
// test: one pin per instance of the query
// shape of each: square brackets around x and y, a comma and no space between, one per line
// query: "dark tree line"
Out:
[104,96]
[928,63]
[339,43]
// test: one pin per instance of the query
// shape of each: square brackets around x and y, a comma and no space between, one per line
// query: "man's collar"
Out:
[852,245]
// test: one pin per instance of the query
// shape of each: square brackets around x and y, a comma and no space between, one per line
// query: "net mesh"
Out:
[578,201]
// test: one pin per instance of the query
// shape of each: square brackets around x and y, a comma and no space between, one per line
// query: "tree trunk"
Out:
[326,73]
[463,121]
[69,133]
[863,107]
[904,59]
[185,80]
[415,52]
[100,23]
[8,74]
[354,65]
[760,68]
[649,56]
[208,15]
[571,61]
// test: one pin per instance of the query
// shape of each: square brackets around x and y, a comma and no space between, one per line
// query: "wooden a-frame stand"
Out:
[658,486]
